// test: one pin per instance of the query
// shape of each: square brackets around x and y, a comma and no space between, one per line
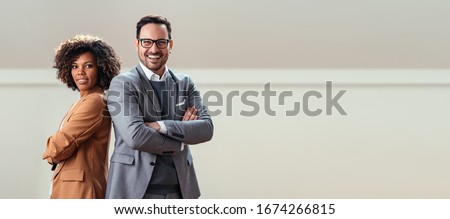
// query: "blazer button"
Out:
[152,163]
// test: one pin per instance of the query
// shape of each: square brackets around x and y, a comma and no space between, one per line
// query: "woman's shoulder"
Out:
[94,99]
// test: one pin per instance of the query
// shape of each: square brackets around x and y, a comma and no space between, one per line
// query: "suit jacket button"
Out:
[152,163]
[178,135]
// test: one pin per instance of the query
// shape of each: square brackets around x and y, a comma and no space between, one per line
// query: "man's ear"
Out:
[136,44]
[170,46]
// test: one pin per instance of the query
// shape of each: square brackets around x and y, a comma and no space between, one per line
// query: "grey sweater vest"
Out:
[164,178]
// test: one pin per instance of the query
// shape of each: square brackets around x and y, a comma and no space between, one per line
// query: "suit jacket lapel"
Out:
[69,114]
[172,87]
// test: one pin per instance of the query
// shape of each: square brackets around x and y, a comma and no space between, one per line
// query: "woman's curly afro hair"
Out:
[67,52]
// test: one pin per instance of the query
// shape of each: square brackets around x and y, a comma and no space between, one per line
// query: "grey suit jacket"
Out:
[131,102]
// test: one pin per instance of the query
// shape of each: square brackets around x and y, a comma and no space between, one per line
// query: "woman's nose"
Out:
[81,71]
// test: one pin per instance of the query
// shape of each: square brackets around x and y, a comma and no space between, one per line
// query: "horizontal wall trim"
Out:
[277,77]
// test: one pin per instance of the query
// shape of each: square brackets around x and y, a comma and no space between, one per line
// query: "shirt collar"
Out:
[152,76]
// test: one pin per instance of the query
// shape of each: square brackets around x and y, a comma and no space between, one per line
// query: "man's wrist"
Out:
[162,127]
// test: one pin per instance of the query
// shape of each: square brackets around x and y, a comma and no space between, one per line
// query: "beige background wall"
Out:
[392,57]
[241,34]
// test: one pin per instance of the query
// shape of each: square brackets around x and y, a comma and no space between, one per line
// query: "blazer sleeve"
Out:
[81,125]
[194,131]
[128,119]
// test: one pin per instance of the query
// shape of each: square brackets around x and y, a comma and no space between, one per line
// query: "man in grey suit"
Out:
[156,114]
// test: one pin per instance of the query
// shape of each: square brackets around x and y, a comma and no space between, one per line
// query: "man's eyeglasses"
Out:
[148,43]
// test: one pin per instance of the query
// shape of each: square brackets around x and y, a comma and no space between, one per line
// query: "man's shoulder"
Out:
[130,75]
[180,76]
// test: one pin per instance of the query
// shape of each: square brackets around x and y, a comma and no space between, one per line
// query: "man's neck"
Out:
[160,73]
[151,75]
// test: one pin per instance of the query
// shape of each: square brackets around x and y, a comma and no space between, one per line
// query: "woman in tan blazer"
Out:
[78,151]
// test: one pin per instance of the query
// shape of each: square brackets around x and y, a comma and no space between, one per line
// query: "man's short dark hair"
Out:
[153,19]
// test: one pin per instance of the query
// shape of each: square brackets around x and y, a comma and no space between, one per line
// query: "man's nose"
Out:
[154,48]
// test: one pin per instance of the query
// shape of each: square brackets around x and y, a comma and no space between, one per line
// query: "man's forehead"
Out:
[152,29]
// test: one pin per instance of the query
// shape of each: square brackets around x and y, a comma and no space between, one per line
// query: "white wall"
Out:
[392,144]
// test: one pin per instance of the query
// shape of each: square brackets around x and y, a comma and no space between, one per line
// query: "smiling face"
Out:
[84,73]
[154,58]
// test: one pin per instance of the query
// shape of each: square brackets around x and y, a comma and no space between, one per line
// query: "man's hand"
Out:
[153,125]
[190,114]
